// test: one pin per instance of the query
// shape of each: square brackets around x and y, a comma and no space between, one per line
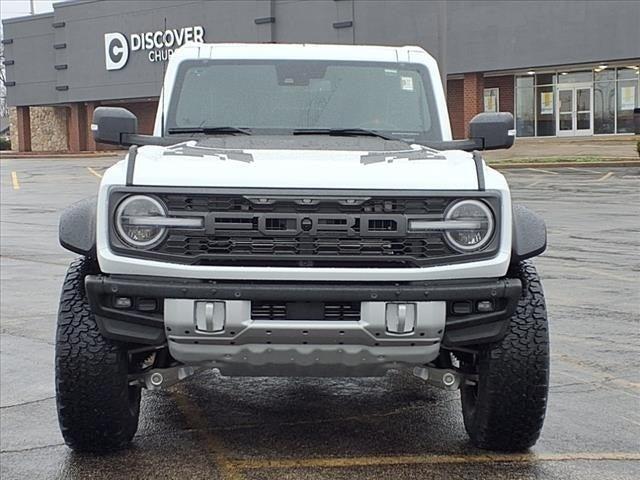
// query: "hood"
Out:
[192,164]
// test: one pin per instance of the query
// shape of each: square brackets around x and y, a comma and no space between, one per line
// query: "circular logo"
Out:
[306,224]
[116,51]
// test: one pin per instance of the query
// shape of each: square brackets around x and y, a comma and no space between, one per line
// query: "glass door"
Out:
[575,112]
[584,117]
[565,112]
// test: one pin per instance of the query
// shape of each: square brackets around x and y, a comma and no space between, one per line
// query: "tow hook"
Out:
[440,377]
[158,378]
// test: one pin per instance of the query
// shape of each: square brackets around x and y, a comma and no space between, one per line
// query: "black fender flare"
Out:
[77,227]
[529,234]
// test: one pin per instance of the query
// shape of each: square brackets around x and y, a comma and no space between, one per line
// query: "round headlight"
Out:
[475,225]
[134,221]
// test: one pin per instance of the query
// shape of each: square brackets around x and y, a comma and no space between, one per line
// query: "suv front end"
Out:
[282,282]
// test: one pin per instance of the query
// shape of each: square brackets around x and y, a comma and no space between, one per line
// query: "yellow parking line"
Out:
[93,172]
[604,177]
[197,421]
[14,181]
[345,462]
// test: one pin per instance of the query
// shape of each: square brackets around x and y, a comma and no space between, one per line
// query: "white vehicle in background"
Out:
[302,210]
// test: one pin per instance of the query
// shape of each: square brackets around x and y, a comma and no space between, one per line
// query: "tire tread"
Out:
[509,412]
[92,392]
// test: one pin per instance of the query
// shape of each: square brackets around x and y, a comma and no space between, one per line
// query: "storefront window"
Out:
[604,107]
[525,112]
[575,77]
[606,94]
[628,73]
[524,81]
[605,75]
[545,79]
[545,109]
[491,100]
[627,101]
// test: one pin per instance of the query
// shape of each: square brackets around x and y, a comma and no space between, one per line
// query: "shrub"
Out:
[638,147]
[5,144]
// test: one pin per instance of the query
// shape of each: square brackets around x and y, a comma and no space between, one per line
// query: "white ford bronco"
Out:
[302,210]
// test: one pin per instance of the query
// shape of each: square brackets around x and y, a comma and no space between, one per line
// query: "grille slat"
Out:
[219,203]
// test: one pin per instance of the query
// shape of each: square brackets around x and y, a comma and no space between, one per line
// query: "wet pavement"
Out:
[389,428]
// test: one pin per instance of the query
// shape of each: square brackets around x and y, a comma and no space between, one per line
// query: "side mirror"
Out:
[111,124]
[492,131]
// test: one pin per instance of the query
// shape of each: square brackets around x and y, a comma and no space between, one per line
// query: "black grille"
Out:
[291,250]
[338,311]
[293,231]
[340,232]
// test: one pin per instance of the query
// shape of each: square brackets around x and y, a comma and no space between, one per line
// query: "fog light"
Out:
[485,306]
[122,302]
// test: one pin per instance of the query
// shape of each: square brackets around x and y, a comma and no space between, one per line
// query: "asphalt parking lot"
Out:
[389,428]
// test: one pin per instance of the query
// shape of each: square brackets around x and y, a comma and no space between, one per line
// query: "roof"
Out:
[297,51]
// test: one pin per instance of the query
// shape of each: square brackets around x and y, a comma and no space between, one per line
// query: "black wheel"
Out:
[97,409]
[505,409]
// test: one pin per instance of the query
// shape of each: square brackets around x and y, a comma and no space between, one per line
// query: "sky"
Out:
[21,8]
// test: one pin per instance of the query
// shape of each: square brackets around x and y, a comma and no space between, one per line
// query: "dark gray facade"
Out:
[59,58]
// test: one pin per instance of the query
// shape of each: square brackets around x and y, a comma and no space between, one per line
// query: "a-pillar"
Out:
[77,128]
[24,129]
[473,97]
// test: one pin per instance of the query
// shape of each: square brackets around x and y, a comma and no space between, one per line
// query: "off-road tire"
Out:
[97,409]
[505,410]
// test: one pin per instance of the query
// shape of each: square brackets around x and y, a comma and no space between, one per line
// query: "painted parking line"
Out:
[94,173]
[549,172]
[588,170]
[439,459]
[534,183]
[604,177]
[14,181]
[197,421]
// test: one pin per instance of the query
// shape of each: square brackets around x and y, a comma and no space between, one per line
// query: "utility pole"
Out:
[32,7]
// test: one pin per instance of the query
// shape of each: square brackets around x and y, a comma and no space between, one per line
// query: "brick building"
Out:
[563,68]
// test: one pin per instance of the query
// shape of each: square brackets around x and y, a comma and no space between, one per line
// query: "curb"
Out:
[617,163]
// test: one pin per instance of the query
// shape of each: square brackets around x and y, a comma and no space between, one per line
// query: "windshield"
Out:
[282,97]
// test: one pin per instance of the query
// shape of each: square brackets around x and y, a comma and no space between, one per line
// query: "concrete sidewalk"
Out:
[609,147]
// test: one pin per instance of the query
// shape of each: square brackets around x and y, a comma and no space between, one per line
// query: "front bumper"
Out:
[246,345]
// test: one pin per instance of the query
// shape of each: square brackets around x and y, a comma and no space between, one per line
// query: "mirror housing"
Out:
[113,125]
[492,131]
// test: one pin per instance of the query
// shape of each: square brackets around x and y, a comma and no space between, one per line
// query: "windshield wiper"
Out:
[342,132]
[210,130]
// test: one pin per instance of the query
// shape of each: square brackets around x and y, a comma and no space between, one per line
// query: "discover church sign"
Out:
[159,44]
